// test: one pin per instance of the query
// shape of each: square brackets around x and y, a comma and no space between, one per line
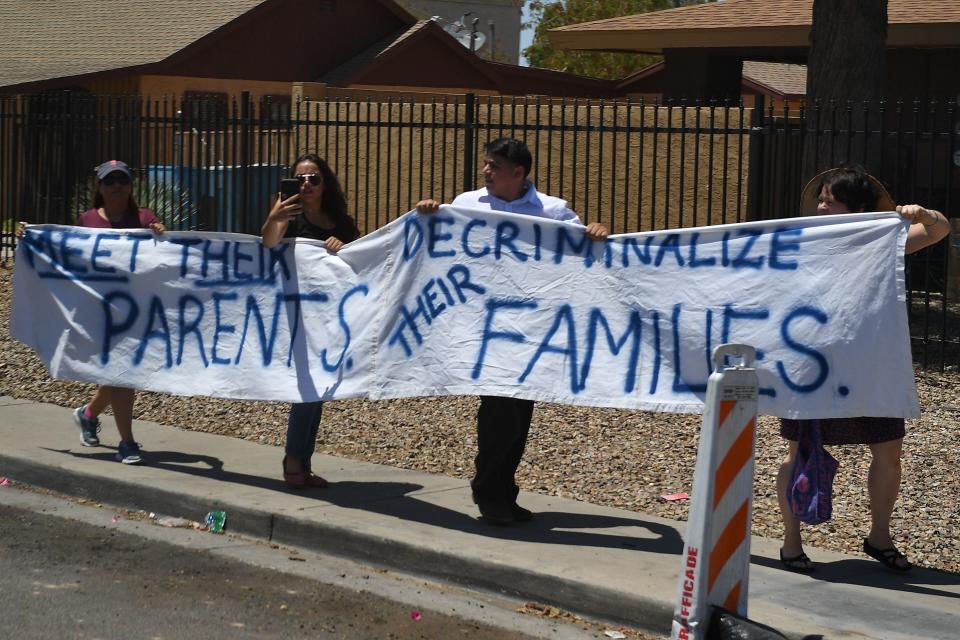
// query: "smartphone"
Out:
[289,187]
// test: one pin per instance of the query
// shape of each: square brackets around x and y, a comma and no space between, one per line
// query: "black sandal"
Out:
[887,557]
[800,563]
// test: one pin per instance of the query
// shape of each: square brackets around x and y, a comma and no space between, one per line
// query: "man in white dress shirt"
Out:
[503,423]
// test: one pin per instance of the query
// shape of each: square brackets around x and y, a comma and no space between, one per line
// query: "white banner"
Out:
[477,302]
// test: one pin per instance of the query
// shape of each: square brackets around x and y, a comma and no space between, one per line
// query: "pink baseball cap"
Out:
[110,166]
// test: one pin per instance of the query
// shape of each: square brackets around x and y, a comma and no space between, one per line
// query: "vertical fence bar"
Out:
[586,217]
[386,122]
[469,152]
[726,160]
[575,162]
[7,182]
[681,192]
[613,172]
[237,181]
[951,114]
[640,163]
[536,137]
[627,130]
[653,164]
[455,135]
[245,153]
[367,169]
[443,154]
[376,181]
[697,134]
[740,163]
[549,182]
[912,197]
[433,150]
[601,135]
[563,145]
[710,156]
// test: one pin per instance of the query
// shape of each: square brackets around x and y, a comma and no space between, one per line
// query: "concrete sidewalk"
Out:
[605,563]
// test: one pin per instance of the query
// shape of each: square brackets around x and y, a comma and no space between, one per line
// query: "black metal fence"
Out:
[209,163]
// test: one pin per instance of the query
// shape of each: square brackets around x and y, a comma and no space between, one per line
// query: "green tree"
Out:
[546,15]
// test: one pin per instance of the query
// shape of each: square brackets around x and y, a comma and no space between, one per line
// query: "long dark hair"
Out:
[132,207]
[333,202]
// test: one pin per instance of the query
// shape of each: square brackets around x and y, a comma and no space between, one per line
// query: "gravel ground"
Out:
[613,457]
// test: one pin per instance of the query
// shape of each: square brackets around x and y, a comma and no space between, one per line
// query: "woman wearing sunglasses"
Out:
[114,208]
[318,211]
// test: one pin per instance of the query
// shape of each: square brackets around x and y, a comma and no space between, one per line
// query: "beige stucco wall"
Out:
[156,86]
[668,177]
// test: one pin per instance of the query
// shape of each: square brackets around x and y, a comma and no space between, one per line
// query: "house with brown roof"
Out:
[705,46]
[426,58]
[197,47]
[781,84]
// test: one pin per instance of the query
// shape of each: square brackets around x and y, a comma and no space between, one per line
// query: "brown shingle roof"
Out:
[732,13]
[786,79]
[742,23]
[771,78]
[45,39]
[341,75]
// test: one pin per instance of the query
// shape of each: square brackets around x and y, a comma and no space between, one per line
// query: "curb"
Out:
[609,605]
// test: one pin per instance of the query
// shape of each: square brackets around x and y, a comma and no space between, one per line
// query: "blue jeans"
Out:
[302,428]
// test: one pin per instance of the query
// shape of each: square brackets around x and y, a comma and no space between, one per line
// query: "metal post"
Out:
[756,176]
[245,122]
[469,127]
[492,26]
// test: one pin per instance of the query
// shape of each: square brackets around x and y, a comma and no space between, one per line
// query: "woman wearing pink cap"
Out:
[113,208]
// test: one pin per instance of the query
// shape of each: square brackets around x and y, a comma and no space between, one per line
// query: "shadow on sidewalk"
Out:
[870,573]
[392,499]
[551,527]
[180,462]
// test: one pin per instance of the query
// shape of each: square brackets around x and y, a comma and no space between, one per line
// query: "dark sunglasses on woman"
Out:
[120,178]
[314,178]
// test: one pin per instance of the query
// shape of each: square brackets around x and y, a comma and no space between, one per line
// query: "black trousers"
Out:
[502,428]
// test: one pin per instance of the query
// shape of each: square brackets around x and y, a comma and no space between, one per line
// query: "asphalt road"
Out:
[99,577]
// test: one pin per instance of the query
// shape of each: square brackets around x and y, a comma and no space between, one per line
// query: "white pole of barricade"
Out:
[716,555]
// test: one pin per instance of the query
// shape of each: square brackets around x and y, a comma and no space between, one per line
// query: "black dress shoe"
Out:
[520,514]
[496,512]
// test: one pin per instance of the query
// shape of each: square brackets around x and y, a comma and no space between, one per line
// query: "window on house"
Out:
[204,111]
[276,110]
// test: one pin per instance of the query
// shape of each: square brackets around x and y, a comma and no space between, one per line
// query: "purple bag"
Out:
[810,492]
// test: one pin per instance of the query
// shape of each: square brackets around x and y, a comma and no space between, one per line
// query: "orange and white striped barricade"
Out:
[716,556]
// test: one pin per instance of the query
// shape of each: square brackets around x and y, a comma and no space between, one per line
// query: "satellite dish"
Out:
[478,39]
[462,35]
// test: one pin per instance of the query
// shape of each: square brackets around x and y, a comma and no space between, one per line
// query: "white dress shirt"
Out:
[531,203]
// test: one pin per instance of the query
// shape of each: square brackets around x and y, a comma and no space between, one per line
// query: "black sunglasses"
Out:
[314,178]
[119,178]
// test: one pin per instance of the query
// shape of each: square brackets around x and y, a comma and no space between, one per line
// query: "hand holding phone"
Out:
[289,187]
